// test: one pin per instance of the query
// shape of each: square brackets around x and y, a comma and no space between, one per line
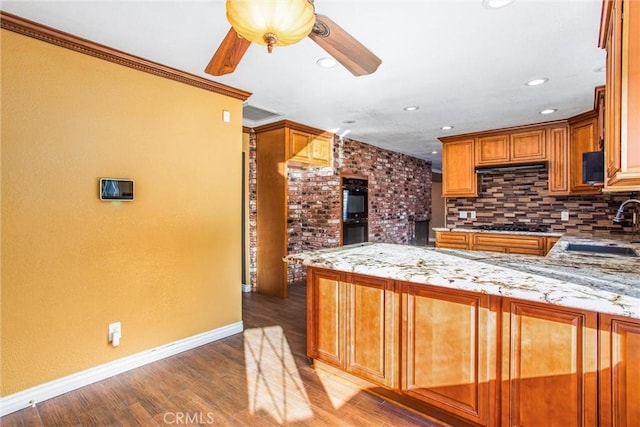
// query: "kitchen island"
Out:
[481,338]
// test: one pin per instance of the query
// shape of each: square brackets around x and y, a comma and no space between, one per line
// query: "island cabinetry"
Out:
[620,36]
[459,178]
[549,368]
[449,358]
[352,324]
[495,242]
[619,380]
[512,148]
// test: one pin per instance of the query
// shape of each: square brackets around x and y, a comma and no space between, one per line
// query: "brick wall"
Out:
[399,193]
[520,197]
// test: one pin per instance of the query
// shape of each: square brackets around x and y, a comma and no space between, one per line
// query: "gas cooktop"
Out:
[529,228]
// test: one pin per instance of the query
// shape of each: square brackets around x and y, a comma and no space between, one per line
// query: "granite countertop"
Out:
[596,282]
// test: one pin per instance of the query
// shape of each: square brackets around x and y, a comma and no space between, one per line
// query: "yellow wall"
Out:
[166,265]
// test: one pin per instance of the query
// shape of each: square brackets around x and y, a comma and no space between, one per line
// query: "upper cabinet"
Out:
[620,36]
[459,178]
[583,131]
[518,147]
[310,148]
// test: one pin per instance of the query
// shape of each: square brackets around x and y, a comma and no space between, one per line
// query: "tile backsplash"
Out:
[521,197]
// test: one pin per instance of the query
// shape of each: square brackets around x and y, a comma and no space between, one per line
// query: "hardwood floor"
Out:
[261,377]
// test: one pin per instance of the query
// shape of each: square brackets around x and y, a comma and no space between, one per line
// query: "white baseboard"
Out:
[32,396]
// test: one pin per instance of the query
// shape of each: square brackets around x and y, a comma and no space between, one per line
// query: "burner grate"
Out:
[529,228]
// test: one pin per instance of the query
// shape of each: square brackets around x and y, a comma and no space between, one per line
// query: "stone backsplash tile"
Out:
[521,197]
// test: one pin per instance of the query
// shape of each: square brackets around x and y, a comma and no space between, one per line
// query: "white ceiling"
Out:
[463,64]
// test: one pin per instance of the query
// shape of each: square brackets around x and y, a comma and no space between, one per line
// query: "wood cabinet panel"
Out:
[514,244]
[548,365]
[619,342]
[371,324]
[583,138]
[459,178]
[527,146]
[322,150]
[309,148]
[455,240]
[299,146]
[621,38]
[448,352]
[492,150]
[326,316]
[558,149]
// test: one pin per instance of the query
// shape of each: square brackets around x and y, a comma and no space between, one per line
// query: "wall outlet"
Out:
[564,216]
[473,214]
[463,215]
[115,333]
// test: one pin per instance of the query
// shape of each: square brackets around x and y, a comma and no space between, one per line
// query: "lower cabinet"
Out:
[448,350]
[475,359]
[619,371]
[524,244]
[549,356]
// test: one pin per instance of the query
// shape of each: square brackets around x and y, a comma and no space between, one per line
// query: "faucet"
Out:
[618,217]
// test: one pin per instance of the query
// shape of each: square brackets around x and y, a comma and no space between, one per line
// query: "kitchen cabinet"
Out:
[449,350]
[583,131]
[459,178]
[276,145]
[309,148]
[511,148]
[558,149]
[619,370]
[549,364]
[446,239]
[495,242]
[621,39]
[352,321]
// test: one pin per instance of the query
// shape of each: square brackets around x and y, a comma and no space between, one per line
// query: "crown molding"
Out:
[41,32]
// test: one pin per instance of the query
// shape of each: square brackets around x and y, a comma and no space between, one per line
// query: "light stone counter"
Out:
[603,283]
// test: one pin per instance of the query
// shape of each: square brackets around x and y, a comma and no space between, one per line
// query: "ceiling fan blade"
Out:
[228,55]
[352,54]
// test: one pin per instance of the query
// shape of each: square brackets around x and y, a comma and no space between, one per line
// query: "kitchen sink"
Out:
[601,249]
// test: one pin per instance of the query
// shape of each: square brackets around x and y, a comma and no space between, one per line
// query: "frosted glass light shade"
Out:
[271,22]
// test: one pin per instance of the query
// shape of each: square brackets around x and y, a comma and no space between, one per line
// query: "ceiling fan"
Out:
[345,49]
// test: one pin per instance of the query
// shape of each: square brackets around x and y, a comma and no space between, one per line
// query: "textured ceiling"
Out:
[463,64]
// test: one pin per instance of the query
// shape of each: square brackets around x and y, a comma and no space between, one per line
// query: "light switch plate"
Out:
[463,215]
[564,216]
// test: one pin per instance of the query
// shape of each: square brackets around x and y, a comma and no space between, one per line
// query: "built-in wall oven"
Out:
[355,211]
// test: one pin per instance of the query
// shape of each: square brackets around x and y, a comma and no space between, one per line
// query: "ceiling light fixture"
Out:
[411,108]
[434,152]
[326,62]
[496,4]
[549,111]
[447,127]
[537,82]
[271,23]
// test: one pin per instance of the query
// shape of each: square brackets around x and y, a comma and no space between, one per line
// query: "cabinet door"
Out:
[452,240]
[558,149]
[583,136]
[528,146]
[619,371]
[449,350]
[548,365]
[321,150]
[326,316]
[459,178]
[299,146]
[372,323]
[492,150]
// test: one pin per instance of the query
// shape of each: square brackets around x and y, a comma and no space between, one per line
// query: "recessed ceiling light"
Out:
[434,152]
[326,62]
[537,82]
[496,4]
[411,108]
[549,111]
[447,127]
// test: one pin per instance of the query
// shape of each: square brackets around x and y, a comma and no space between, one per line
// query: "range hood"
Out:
[502,169]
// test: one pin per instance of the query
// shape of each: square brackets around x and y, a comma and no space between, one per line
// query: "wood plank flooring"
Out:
[261,377]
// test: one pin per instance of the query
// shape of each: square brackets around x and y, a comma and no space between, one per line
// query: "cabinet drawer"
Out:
[526,245]
[452,240]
